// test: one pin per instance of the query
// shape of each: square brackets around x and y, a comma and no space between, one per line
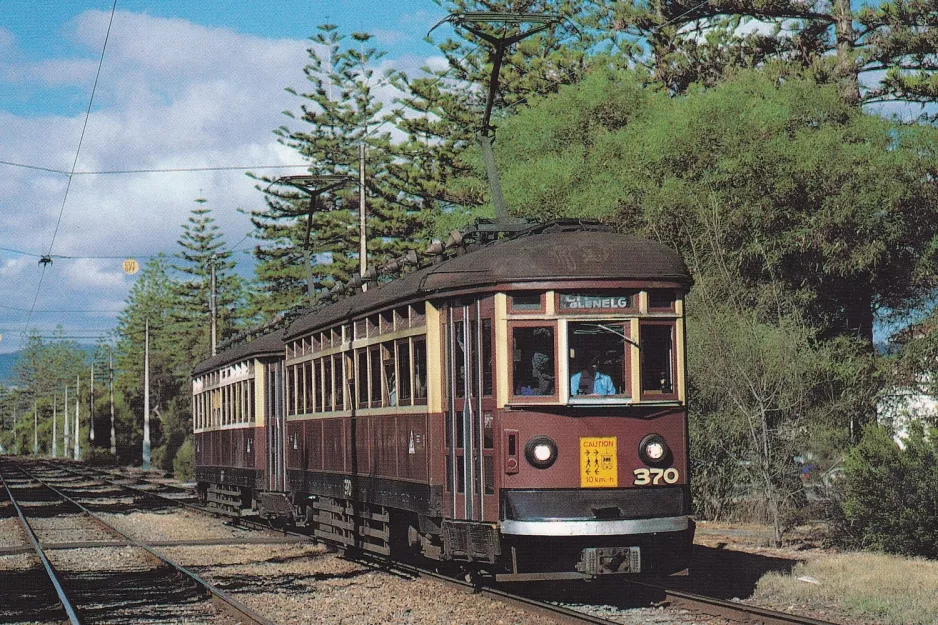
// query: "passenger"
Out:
[542,374]
[591,381]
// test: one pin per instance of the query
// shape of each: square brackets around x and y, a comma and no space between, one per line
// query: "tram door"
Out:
[470,449]
[276,427]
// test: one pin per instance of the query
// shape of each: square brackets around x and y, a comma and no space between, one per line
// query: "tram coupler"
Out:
[596,561]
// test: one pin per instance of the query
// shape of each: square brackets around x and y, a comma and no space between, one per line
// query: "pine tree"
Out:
[873,54]
[151,302]
[201,248]
[340,111]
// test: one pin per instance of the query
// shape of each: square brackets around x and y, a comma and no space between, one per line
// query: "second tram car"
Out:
[519,408]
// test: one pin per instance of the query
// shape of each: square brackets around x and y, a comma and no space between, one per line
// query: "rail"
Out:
[224,601]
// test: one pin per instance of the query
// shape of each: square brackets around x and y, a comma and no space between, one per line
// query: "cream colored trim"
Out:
[260,389]
[679,307]
[434,358]
[636,359]
[550,303]
[563,359]
[502,349]
[679,356]
[230,426]
[389,411]
[359,343]
[643,302]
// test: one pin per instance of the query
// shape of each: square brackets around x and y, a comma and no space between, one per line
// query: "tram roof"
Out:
[554,256]
[266,345]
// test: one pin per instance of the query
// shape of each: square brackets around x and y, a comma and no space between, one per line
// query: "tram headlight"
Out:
[654,450]
[541,452]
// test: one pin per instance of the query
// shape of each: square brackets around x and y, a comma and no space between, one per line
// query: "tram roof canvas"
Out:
[554,257]
[266,345]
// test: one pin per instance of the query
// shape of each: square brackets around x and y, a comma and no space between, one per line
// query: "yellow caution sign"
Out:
[598,465]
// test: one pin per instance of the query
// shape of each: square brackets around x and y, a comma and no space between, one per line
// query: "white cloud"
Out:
[171,94]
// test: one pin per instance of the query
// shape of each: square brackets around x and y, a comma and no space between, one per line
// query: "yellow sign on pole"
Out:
[131,266]
[598,465]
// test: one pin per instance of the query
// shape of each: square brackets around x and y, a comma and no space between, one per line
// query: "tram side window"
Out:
[374,361]
[657,358]
[403,368]
[487,357]
[327,380]
[420,371]
[533,360]
[361,356]
[339,383]
[598,359]
[389,380]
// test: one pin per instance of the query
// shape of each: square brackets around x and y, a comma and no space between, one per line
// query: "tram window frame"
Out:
[643,350]
[578,362]
[309,384]
[517,305]
[517,396]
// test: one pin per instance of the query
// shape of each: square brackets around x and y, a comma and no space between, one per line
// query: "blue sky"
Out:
[183,84]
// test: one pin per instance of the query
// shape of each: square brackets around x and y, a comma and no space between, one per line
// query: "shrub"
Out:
[184,462]
[891,492]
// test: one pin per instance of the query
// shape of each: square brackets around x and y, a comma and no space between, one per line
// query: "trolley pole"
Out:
[146,398]
[110,382]
[77,436]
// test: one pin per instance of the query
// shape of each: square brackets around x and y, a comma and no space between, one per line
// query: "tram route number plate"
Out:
[598,465]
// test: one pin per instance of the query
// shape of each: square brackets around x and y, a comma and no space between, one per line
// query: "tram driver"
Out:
[591,381]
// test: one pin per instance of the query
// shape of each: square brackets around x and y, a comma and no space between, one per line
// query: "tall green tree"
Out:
[871,53]
[341,109]
[151,303]
[836,205]
[202,249]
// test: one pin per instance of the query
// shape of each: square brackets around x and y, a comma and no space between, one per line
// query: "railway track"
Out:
[529,597]
[139,585]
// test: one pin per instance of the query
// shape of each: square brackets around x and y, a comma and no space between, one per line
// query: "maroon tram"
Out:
[518,408]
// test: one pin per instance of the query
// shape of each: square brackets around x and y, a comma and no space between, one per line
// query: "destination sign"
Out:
[580,302]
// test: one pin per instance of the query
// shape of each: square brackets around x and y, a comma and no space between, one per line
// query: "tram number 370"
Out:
[644,477]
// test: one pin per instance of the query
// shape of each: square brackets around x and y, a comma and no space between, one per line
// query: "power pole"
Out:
[16,439]
[55,427]
[362,234]
[77,436]
[110,381]
[35,427]
[91,435]
[67,436]
[214,305]
[146,398]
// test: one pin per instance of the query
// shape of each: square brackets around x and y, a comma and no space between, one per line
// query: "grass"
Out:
[876,588]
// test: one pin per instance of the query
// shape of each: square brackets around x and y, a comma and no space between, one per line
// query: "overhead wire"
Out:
[68,185]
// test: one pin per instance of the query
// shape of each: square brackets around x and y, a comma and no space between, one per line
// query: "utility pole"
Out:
[76,438]
[16,439]
[66,435]
[146,398]
[91,434]
[55,427]
[362,234]
[35,427]
[214,305]
[110,381]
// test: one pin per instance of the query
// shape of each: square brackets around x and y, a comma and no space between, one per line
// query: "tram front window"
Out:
[533,360]
[598,365]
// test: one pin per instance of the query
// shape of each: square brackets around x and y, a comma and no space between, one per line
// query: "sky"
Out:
[183,84]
